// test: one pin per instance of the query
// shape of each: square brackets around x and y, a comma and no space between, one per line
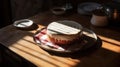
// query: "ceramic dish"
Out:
[87,7]
[87,40]
[58,10]
[23,24]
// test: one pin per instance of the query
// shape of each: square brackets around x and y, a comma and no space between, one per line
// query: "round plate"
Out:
[23,24]
[87,7]
[87,40]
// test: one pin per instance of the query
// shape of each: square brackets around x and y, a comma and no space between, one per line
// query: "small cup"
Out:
[99,18]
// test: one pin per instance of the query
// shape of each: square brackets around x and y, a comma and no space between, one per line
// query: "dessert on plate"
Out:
[64,32]
[64,37]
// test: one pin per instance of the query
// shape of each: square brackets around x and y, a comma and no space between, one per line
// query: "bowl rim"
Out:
[59,8]
[23,20]
[59,12]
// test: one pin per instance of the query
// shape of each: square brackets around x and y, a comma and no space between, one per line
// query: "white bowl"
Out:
[24,23]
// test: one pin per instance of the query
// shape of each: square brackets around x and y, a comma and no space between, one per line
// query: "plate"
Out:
[87,7]
[87,40]
[23,23]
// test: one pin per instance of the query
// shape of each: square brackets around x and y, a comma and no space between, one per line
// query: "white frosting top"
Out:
[64,27]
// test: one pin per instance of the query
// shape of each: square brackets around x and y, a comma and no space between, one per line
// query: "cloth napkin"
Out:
[43,39]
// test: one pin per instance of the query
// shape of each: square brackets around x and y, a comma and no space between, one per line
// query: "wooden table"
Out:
[105,53]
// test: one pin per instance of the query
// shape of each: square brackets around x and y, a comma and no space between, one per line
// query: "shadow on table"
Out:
[10,59]
[101,58]
[111,31]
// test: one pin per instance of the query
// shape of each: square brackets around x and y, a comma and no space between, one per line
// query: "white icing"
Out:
[64,28]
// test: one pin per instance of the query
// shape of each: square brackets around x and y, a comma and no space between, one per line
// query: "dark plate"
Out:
[87,7]
[87,40]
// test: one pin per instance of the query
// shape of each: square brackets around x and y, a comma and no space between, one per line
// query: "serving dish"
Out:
[87,40]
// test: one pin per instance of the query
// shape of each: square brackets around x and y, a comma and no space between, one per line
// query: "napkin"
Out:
[43,39]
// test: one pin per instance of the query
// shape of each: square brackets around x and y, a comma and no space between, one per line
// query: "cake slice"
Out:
[64,32]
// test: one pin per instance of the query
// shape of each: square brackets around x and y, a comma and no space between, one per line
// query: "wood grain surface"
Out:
[105,52]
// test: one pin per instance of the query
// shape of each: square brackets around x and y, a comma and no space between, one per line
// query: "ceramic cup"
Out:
[99,20]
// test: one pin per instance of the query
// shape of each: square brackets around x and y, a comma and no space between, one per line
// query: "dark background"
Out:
[12,10]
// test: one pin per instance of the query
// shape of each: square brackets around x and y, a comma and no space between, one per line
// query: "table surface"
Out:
[104,53]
